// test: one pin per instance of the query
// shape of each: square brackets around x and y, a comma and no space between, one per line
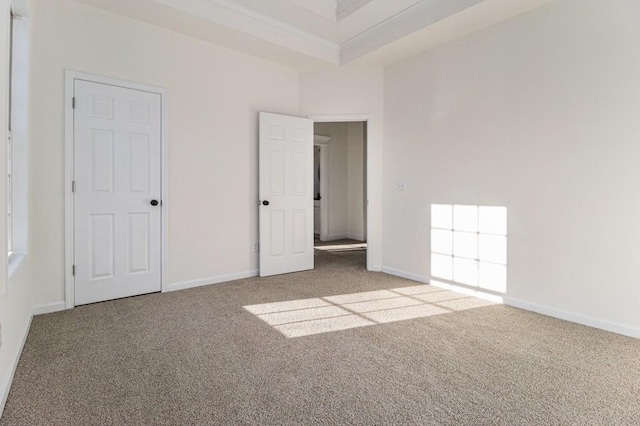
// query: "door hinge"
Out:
[73,270]
[73,186]
[73,102]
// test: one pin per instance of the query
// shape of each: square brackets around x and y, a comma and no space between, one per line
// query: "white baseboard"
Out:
[213,280]
[451,287]
[48,308]
[6,385]
[403,274]
[577,318]
[521,304]
[374,268]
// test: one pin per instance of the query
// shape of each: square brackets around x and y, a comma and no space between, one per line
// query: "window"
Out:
[9,189]
[469,245]
[16,148]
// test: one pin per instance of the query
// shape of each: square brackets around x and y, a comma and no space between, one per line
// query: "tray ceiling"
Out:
[308,33]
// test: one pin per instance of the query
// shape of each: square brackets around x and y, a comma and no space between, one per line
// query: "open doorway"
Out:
[340,188]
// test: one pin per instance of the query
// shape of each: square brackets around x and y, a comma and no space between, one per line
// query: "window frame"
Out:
[16,145]
[9,146]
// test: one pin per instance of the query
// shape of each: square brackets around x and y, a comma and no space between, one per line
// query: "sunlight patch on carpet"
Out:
[304,317]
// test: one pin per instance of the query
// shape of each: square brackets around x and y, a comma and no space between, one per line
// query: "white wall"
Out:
[540,114]
[15,293]
[214,95]
[353,90]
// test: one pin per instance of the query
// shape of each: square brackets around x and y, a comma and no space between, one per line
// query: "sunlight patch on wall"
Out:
[297,318]
[469,245]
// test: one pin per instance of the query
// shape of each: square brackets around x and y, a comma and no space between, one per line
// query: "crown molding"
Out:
[325,8]
[256,32]
[414,18]
[237,17]
[347,7]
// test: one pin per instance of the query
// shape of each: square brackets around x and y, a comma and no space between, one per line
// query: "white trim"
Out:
[70,77]
[48,308]
[575,318]
[339,118]
[267,20]
[416,17]
[321,141]
[249,21]
[6,384]
[213,280]
[325,8]
[366,118]
[406,275]
[68,194]
[346,8]
[17,228]
[480,294]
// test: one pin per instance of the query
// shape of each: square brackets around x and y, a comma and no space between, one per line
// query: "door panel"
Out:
[286,168]
[117,171]
[139,239]
[102,247]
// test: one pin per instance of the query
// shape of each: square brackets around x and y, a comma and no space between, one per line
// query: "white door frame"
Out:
[345,118]
[322,142]
[69,219]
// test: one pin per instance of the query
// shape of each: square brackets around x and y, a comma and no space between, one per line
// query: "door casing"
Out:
[324,185]
[69,220]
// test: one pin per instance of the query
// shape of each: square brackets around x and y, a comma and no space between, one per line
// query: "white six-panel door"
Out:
[117,175]
[286,194]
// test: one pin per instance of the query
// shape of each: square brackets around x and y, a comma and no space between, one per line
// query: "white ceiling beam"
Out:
[241,18]
[348,7]
[414,18]
[325,8]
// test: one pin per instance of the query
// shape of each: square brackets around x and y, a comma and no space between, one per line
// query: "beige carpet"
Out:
[201,356]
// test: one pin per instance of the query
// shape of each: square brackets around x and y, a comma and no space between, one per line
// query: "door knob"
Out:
[265,203]
[154,202]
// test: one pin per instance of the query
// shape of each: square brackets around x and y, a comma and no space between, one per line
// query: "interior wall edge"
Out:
[6,384]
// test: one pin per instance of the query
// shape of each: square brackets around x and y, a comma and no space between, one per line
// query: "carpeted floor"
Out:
[199,357]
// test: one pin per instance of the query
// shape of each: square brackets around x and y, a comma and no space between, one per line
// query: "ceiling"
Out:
[312,33]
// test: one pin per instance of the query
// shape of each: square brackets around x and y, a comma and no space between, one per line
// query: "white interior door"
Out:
[117,175]
[286,194]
